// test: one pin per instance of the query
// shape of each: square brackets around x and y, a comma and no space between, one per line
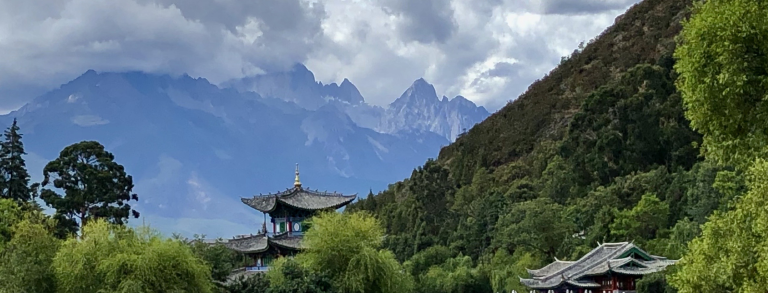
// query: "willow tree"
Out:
[347,248]
[25,261]
[114,258]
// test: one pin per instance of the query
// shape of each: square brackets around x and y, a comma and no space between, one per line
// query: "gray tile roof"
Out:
[606,257]
[550,268]
[299,198]
[287,240]
[251,244]
[261,242]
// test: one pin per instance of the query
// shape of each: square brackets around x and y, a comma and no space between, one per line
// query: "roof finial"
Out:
[297,182]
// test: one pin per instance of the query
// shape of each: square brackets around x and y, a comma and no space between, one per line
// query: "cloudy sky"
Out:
[486,50]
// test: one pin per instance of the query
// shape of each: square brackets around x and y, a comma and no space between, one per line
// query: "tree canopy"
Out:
[94,186]
[347,248]
[113,258]
[723,67]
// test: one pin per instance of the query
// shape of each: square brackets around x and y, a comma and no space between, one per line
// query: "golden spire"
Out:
[297,182]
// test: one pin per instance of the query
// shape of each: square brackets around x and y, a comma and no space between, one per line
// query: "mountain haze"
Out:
[194,148]
[418,109]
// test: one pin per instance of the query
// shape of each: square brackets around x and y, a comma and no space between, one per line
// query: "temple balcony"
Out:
[257,269]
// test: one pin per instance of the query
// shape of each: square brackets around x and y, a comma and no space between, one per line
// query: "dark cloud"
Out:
[424,21]
[277,16]
[582,6]
[486,50]
[502,69]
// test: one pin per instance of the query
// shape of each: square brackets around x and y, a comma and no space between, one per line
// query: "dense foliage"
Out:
[600,150]
[724,77]
[723,61]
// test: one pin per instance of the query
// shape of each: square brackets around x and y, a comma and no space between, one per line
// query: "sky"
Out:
[488,51]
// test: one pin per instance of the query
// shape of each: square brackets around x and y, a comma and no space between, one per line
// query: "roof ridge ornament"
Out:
[297,182]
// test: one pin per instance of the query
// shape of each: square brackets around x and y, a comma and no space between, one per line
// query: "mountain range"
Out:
[194,148]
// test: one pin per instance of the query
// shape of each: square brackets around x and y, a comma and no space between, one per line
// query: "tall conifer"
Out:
[14,178]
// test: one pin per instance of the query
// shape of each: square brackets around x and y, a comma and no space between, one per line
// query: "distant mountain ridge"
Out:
[418,109]
[194,147]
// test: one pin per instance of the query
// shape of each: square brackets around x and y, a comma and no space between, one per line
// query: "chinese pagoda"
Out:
[611,267]
[288,211]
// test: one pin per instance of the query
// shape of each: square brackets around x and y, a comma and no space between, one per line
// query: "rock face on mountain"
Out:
[418,109]
[298,86]
[194,148]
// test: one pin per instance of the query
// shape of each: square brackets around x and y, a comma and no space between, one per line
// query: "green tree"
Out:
[506,269]
[257,283]
[642,222]
[347,248]
[10,215]
[94,185]
[654,283]
[25,262]
[539,225]
[422,261]
[115,258]
[723,69]
[731,255]
[289,276]
[455,275]
[14,178]
[219,258]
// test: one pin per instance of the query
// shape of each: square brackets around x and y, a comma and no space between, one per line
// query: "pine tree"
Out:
[13,169]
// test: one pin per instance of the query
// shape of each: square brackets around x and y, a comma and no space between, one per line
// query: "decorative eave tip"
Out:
[297,182]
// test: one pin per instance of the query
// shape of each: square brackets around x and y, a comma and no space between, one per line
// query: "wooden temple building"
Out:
[288,212]
[611,267]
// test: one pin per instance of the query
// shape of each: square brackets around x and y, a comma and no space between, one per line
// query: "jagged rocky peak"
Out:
[298,85]
[461,101]
[350,91]
[419,93]
[346,92]
[300,74]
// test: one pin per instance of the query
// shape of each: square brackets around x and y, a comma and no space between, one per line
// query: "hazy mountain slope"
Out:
[194,148]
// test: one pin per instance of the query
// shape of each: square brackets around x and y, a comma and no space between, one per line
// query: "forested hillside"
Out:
[654,133]
[598,150]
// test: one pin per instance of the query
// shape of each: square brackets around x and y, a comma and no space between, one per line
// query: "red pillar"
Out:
[614,285]
[289,226]
[274,227]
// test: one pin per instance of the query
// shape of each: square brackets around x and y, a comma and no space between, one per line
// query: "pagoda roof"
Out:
[250,244]
[262,242]
[622,257]
[299,198]
[287,240]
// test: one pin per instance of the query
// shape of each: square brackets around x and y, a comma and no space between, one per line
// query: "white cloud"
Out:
[381,46]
